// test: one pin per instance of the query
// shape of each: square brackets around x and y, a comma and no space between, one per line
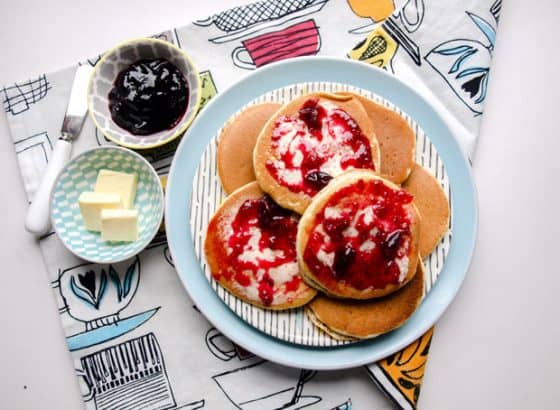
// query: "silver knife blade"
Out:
[77,104]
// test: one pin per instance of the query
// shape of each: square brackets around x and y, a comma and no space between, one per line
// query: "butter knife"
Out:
[37,220]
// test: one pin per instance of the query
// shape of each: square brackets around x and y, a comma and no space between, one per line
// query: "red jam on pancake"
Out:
[250,247]
[361,238]
[316,144]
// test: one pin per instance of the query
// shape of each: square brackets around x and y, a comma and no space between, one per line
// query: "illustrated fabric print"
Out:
[464,64]
[18,98]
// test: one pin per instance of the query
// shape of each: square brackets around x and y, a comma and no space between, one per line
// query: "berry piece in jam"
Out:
[269,211]
[317,179]
[149,96]
[334,228]
[311,115]
[391,244]
[342,260]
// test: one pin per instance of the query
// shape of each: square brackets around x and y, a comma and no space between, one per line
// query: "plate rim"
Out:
[316,69]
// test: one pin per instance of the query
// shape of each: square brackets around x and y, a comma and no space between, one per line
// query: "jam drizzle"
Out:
[315,145]
[263,240]
[360,236]
[149,96]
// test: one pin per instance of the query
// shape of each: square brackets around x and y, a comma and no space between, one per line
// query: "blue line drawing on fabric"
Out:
[40,141]
[273,395]
[347,405]
[101,139]
[392,28]
[411,15]
[95,296]
[208,86]
[464,64]
[223,348]
[243,21]
[92,61]
[383,388]
[130,375]
[161,240]
[45,236]
[248,387]
[496,9]
[168,257]
[194,405]
[168,35]
[35,149]
[19,97]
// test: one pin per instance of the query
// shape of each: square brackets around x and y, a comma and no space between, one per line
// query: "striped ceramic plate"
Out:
[293,325]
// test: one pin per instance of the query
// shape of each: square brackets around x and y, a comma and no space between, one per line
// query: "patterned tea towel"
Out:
[149,347]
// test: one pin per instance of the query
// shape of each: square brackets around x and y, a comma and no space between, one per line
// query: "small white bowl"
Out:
[119,58]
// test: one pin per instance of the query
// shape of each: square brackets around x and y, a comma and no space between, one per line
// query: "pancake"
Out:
[350,319]
[250,250]
[433,205]
[317,322]
[236,143]
[358,238]
[308,142]
[397,143]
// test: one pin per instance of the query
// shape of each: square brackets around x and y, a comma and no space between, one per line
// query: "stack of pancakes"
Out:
[245,146]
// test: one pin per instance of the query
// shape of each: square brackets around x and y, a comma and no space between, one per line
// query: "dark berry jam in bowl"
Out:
[144,93]
[149,96]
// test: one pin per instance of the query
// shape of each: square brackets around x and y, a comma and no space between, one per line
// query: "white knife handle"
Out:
[38,219]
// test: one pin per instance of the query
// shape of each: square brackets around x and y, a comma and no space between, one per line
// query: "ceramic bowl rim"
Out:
[179,128]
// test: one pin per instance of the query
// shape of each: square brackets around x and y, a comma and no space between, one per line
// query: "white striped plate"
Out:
[293,325]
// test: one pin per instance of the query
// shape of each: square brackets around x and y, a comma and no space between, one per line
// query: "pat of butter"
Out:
[91,205]
[120,183]
[119,225]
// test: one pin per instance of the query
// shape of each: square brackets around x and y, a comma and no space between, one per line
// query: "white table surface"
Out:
[495,347]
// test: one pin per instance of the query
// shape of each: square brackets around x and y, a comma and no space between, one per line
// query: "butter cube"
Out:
[120,183]
[91,205]
[119,225]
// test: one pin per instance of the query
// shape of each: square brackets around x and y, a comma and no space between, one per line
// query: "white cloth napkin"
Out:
[153,349]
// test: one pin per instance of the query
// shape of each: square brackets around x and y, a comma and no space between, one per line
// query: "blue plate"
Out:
[179,191]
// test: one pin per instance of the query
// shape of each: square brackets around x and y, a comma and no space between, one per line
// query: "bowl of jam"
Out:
[144,93]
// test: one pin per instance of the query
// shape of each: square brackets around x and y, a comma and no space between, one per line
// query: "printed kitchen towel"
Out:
[151,348]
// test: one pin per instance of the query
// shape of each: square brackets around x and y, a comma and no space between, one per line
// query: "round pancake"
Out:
[339,287]
[315,320]
[347,319]
[247,282]
[236,143]
[432,203]
[397,143]
[264,152]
